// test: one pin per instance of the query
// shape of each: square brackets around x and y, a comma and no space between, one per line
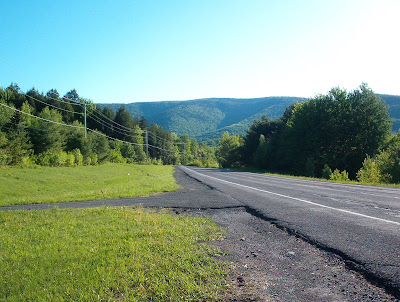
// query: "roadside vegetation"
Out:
[108,254]
[342,136]
[59,184]
[49,130]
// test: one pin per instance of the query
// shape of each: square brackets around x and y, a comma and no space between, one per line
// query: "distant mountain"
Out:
[207,119]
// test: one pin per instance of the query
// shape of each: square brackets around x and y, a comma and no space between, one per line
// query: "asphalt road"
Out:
[359,223]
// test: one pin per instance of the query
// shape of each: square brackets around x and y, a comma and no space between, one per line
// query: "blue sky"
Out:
[129,51]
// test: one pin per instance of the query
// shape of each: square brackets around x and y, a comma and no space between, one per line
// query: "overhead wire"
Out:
[113,129]
[115,139]
[127,132]
[59,108]
[35,116]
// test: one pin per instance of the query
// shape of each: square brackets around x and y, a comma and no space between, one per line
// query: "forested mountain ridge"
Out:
[208,118]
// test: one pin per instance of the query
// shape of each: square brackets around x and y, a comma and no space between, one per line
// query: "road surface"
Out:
[359,223]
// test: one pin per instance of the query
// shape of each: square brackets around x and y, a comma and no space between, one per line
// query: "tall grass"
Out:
[107,254]
[59,184]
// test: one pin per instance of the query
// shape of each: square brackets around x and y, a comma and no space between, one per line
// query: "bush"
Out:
[389,161]
[27,161]
[3,157]
[52,158]
[70,160]
[369,172]
[55,158]
[116,156]
[326,172]
[339,176]
[156,161]
[93,159]
[78,157]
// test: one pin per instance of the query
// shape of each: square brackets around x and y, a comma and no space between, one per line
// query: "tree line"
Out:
[342,135]
[47,129]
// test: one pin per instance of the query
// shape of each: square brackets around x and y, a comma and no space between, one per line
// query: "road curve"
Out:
[360,223]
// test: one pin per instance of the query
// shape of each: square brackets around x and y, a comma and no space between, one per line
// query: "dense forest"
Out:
[47,129]
[342,135]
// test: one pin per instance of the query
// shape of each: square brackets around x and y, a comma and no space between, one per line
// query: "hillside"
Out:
[207,119]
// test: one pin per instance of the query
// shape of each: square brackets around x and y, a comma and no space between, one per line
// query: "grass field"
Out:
[107,254]
[59,184]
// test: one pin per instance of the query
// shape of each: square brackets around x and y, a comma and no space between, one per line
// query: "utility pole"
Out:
[85,120]
[147,147]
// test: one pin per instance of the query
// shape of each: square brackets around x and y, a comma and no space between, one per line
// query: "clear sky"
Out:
[128,51]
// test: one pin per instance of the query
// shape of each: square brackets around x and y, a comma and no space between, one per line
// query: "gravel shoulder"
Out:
[269,264]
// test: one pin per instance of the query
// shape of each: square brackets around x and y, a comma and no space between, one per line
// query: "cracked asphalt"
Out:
[274,258]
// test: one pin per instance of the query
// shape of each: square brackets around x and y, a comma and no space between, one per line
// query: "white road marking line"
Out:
[298,199]
[320,187]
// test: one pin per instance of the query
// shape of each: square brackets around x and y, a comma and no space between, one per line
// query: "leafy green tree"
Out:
[228,152]
[13,95]
[137,139]
[389,161]
[124,118]
[339,129]
[47,135]
[260,155]
[110,114]
[16,143]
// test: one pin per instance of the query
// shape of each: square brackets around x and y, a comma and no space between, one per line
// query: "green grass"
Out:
[107,254]
[59,184]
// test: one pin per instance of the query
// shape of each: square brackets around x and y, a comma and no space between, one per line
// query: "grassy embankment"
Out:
[107,254]
[60,184]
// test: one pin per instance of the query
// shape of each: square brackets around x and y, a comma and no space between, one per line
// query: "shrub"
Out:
[27,161]
[93,159]
[52,158]
[70,160]
[389,163]
[57,158]
[116,156]
[78,157]
[3,157]
[369,172]
[156,161]
[326,172]
[339,176]
[87,161]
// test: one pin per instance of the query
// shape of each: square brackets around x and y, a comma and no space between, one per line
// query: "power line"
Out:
[115,139]
[50,121]
[165,149]
[60,100]
[112,127]
[59,108]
